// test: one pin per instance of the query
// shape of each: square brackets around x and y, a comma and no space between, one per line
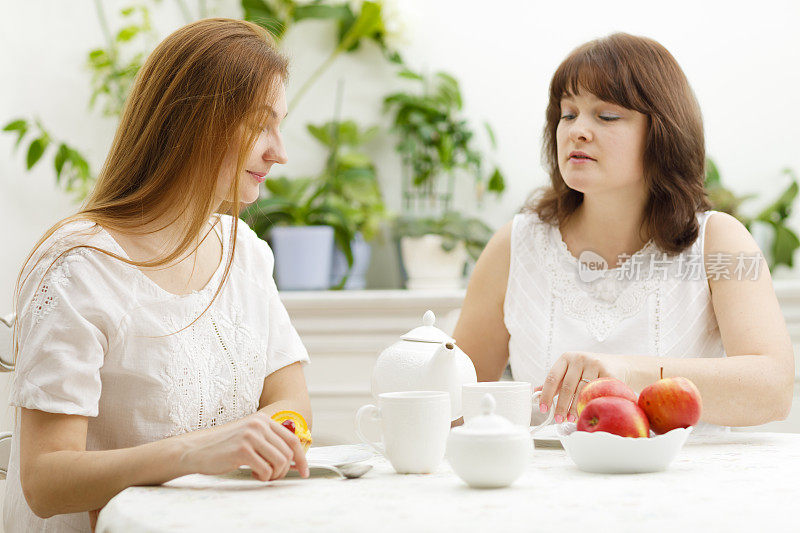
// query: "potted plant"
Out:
[436,147]
[769,226]
[351,186]
[301,227]
[319,226]
[434,249]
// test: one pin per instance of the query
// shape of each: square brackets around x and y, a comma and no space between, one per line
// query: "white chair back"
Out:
[5,452]
[6,334]
[6,365]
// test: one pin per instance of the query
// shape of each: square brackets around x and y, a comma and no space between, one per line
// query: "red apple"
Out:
[671,403]
[614,415]
[600,387]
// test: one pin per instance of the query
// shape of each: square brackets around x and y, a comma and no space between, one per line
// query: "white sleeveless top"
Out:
[652,305]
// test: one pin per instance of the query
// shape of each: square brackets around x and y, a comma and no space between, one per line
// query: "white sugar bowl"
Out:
[489,451]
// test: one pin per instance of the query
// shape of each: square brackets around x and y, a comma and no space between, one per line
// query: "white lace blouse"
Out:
[95,341]
[652,305]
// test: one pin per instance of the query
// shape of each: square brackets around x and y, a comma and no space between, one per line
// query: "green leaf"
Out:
[21,127]
[786,242]
[490,132]
[127,33]
[348,133]
[497,183]
[321,11]
[394,57]
[260,12]
[128,11]
[368,22]
[36,150]
[320,133]
[356,160]
[408,74]
[61,157]
[448,90]
[712,172]
[16,125]
[99,58]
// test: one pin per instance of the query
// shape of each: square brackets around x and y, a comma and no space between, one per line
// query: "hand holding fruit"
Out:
[264,445]
[570,374]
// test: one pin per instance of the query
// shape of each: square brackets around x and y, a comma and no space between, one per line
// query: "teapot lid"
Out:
[427,332]
[489,424]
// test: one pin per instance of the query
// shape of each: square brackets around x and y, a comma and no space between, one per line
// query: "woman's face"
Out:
[267,150]
[600,144]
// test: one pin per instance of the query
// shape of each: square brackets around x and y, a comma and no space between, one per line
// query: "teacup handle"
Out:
[375,414]
[550,415]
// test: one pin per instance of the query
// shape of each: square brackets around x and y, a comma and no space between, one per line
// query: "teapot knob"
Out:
[428,318]
[488,404]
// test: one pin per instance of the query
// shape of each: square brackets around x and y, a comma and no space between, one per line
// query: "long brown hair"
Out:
[640,74]
[201,92]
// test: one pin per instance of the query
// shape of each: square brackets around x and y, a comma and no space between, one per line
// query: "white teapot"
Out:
[425,358]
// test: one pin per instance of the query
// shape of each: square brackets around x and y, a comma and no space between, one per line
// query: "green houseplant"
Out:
[346,204]
[302,227]
[345,196]
[437,148]
[779,242]
[113,66]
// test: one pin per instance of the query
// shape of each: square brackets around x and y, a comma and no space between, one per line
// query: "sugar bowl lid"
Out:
[489,425]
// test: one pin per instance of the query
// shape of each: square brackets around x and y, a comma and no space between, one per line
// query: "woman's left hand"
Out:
[565,379]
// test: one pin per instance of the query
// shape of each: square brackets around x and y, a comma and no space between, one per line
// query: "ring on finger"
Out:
[586,380]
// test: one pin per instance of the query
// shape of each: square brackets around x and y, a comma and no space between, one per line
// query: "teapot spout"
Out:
[445,352]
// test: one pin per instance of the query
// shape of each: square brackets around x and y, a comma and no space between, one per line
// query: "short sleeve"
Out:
[62,336]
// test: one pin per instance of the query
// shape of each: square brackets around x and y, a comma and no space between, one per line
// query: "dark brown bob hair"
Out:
[636,73]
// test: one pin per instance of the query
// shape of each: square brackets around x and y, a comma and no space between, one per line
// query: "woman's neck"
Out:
[160,236]
[609,225]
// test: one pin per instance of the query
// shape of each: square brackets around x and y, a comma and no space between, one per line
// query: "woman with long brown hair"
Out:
[150,340]
[618,268]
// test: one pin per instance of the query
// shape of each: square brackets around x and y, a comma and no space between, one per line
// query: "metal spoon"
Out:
[346,471]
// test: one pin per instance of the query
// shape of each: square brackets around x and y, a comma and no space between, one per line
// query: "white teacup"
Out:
[414,429]
[514,401]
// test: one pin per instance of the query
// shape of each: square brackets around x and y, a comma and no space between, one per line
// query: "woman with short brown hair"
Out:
[618,268]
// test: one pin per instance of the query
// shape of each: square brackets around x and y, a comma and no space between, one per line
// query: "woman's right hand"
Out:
[257,441]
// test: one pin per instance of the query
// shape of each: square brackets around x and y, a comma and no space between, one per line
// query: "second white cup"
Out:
[514,401]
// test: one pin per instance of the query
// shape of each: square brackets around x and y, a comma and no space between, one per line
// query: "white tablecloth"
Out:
[733,482]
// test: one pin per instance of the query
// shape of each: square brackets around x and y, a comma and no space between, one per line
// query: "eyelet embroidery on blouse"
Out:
[601,304]
[216,372]
[59,275]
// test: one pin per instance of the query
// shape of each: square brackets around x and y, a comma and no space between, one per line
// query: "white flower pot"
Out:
[428,266]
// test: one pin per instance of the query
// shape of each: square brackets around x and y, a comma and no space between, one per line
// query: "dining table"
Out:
[736,481]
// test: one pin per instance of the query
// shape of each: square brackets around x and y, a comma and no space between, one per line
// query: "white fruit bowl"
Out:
[605,453]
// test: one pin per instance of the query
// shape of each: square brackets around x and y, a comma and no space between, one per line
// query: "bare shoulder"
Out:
[490,276]
[725,234]
[500,243]
[732,255]
[496,257]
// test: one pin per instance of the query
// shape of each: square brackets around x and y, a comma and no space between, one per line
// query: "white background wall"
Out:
[744,65]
